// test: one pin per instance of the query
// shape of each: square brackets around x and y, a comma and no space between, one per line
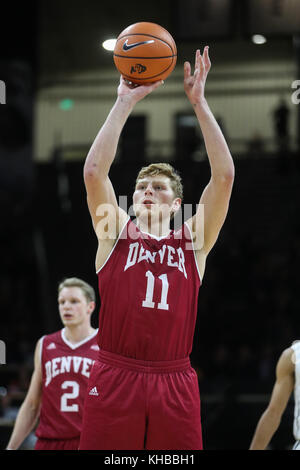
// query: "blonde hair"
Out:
[163,169]
[87,290]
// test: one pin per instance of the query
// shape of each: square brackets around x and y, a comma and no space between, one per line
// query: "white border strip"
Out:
[154,236]
[185,223]
[76,345]
[121,231]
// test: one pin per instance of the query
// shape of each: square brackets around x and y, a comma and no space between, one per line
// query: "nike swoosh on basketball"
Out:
[127,47]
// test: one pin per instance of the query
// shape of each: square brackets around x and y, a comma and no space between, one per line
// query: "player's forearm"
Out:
[104,147]
[219,156]
[267,426]
[25,422]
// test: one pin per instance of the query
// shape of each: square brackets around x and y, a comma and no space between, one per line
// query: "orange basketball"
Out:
[145,52]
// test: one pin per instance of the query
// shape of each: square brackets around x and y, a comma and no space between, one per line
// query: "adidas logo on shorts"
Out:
[94,392]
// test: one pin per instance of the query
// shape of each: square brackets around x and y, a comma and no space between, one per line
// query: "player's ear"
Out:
[91,307]
[176,204]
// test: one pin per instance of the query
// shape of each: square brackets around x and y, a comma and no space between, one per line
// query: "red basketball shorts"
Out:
[135,405]
[57,444]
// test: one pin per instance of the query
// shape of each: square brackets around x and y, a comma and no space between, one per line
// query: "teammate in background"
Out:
[62,365]
[149,278]
[287,380]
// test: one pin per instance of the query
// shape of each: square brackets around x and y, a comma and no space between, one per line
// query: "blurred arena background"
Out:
[60,84]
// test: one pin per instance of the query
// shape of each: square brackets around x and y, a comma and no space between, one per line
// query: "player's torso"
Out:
[65,372]
[148,290]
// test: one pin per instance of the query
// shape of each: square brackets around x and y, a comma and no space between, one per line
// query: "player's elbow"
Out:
[90,171]
[31,408]
[273,415]
[35,412]
[223,184]
[228,175]
[93,172]
[224,178]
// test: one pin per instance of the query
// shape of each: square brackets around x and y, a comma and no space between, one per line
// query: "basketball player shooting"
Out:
[147,392]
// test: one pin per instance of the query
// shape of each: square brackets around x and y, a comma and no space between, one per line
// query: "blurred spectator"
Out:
[256,145]
[281,127]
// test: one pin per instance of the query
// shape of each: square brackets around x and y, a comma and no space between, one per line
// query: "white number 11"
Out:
[148,302]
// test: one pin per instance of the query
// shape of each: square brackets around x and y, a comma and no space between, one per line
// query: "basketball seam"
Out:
[149,35]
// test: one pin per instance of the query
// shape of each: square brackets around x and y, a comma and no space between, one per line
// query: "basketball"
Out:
[144,53]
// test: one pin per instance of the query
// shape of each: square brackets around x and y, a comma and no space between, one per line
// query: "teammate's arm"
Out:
[30,408]
[216,195]
[102,153]
[270,419]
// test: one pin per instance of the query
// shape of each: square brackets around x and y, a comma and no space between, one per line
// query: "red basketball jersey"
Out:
[149,293]
[65,370]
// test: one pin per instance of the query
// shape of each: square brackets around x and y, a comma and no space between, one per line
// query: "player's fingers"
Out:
[148,88]
[124,81]
[154,85]
[197,60]
[206,58]
[187,70]
[158,83]
[200,71]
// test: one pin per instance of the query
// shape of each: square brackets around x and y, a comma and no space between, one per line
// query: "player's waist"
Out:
[139,365]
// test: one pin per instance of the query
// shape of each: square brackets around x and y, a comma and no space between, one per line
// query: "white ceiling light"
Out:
[109,44]
[258,39]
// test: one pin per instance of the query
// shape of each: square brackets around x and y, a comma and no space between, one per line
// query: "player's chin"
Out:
[150,211]
[68,320]
[141,210]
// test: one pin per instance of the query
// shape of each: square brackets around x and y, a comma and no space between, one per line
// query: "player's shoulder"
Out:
[53,336]
[286,361]
[92,344]
[51,339]
[93,337]
[295,347]
[286,353]
[45,342]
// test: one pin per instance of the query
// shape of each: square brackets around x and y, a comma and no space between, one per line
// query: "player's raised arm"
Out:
[270,419]
[30,408]
[216,195]
[99,188]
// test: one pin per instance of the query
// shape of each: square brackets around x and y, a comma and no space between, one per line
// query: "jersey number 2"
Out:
[148,302]
[70,395]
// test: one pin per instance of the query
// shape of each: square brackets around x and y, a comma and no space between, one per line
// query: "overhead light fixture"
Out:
[109,44]
[258,39]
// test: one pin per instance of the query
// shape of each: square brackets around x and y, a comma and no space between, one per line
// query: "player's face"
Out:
[74,309]
[154,194]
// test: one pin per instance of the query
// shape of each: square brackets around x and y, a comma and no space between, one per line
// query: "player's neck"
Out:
[75,334]
[159,229]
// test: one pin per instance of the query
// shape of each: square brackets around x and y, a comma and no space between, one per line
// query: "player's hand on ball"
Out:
[194,84]
[134,92]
